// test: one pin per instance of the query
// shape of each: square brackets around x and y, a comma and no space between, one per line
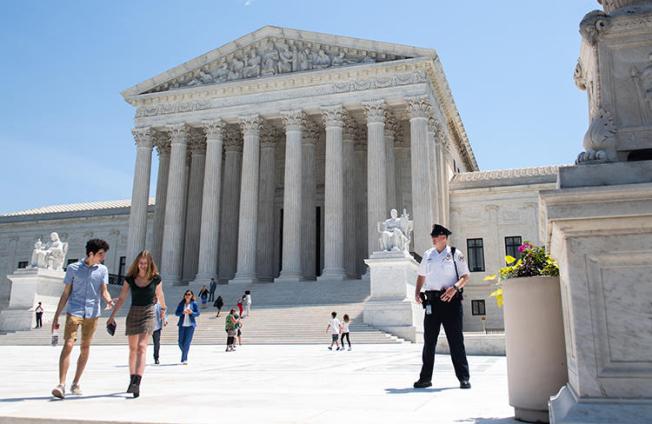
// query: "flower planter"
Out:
[534,344]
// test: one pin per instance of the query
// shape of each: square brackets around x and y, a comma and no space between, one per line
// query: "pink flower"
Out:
[522,248]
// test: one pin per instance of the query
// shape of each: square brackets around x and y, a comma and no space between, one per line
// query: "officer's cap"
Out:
[439,230]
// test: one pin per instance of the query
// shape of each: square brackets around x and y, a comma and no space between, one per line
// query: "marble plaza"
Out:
[270,384]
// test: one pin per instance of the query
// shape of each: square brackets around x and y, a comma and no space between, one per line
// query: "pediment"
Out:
[274,51]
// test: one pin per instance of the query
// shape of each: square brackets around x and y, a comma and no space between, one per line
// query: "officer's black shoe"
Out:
[422,384]
[465,384]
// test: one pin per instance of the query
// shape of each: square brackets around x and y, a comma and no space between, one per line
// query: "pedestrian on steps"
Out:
[219,304]
[187,311]
[344,329]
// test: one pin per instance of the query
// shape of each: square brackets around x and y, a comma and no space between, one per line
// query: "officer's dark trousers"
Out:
[156,338]
[448,314]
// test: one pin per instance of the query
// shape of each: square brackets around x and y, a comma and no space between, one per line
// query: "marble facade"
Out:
[289,106]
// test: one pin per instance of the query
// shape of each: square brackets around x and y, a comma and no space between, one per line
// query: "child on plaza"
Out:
[230,326]
[334,328]
[344,329]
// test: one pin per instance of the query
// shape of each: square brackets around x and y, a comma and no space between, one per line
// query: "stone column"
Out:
[419,109]
[247,228]
[334,195]
[349,212]
[163,149]
[175,199]
[433,182]
[210,212]
[444,153]
[228,250]
[291,257]
[390,167]
[265,242]
[194,205]
[376,171]
[309,201]
[361,200]
[140,193]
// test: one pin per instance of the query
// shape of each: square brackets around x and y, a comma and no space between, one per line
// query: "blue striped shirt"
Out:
[84,300]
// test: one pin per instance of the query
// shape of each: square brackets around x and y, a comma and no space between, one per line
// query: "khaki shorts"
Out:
[88,326]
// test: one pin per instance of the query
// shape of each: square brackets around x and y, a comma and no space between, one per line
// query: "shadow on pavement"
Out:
[393,391]
[69,398]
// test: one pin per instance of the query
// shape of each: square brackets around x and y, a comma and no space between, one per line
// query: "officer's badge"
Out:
[461,258]
[449,257]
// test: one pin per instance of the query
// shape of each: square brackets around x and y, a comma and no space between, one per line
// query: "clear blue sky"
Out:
[65,130]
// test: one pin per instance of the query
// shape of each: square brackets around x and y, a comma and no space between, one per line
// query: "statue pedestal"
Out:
[391,306]
[28,287]
[602,238]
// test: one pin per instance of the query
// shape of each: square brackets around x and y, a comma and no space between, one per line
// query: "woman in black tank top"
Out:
[145,285]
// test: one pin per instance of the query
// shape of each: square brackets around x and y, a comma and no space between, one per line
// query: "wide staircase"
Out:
[282,313]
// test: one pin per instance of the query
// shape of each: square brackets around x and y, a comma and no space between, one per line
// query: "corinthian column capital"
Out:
[375,111]
[333,116]
[419,107]
[251,124]
[214,129]
[294,120]
[178,133]
[144,137]
[162,142]
[232,140]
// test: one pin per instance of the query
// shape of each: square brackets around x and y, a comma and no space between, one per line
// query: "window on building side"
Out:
[477,307]
[512,244]
[123,265]
[475,254]
[22,264]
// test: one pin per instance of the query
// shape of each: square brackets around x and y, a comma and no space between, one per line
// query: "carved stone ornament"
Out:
[333,116]
[375,111]
[274,56]
[214,129]
[197,142]
[232,139]
[592,25]
[599,140]
[50,256]
[419,107]
[143,137]
[293,120]
[612,5]
[178,133]
[162,142]
[395,233]
[251,124]
[578,76]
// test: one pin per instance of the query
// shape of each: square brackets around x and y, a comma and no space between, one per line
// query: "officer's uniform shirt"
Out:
[439,269]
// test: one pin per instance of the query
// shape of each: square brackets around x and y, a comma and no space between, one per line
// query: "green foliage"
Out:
[533,261]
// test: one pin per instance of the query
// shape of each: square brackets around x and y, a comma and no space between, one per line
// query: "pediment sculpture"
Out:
[49,256]
[395,232]
[274,56]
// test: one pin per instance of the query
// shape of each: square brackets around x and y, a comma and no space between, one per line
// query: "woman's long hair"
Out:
[152,269]
[192,297]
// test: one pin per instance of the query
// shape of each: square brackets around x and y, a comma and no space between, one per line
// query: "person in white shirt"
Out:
[345,331]
[443,272]
[160,321]
[334,328]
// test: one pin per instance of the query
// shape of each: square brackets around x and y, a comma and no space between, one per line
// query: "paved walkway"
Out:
[266,384]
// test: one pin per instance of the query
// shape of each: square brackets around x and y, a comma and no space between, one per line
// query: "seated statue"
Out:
[395,232]
[38,255]
[55,254]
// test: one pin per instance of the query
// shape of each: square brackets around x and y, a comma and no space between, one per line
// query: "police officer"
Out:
[442,273]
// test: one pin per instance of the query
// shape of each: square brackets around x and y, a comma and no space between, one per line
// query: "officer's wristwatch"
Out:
[457,289]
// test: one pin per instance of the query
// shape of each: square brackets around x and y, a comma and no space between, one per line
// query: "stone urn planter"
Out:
[534,343]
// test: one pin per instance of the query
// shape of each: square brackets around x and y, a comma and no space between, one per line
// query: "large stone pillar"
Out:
[140,193]
[174,218]
[292,202]
[391,128]
[376,174]
[360,147]
[419,109]
[598,225]
[334,195]
[210,212]
[228,251]
[194,205]
[349,212]
[433,182]
[309,201]
[247,227]
[267,190]
[163,149]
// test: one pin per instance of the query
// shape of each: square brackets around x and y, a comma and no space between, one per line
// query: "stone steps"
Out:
[267,325]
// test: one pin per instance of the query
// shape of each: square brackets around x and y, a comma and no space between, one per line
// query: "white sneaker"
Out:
[184,362]
[59,391]
[76,390]
[349,349]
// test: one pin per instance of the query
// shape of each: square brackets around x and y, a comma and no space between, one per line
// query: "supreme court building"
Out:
[279,153]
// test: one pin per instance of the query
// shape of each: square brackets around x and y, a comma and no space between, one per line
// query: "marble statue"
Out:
[38,255]
[395,232]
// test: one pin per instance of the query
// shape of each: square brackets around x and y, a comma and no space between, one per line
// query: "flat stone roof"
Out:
[506,177]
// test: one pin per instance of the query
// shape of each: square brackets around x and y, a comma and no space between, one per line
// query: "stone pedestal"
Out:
[601,235]
[391,306]
[28,287]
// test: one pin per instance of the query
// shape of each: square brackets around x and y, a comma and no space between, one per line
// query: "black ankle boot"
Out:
[131,383]
[136,391]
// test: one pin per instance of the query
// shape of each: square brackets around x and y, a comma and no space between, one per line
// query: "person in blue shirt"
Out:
[85,283]
[187,311]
